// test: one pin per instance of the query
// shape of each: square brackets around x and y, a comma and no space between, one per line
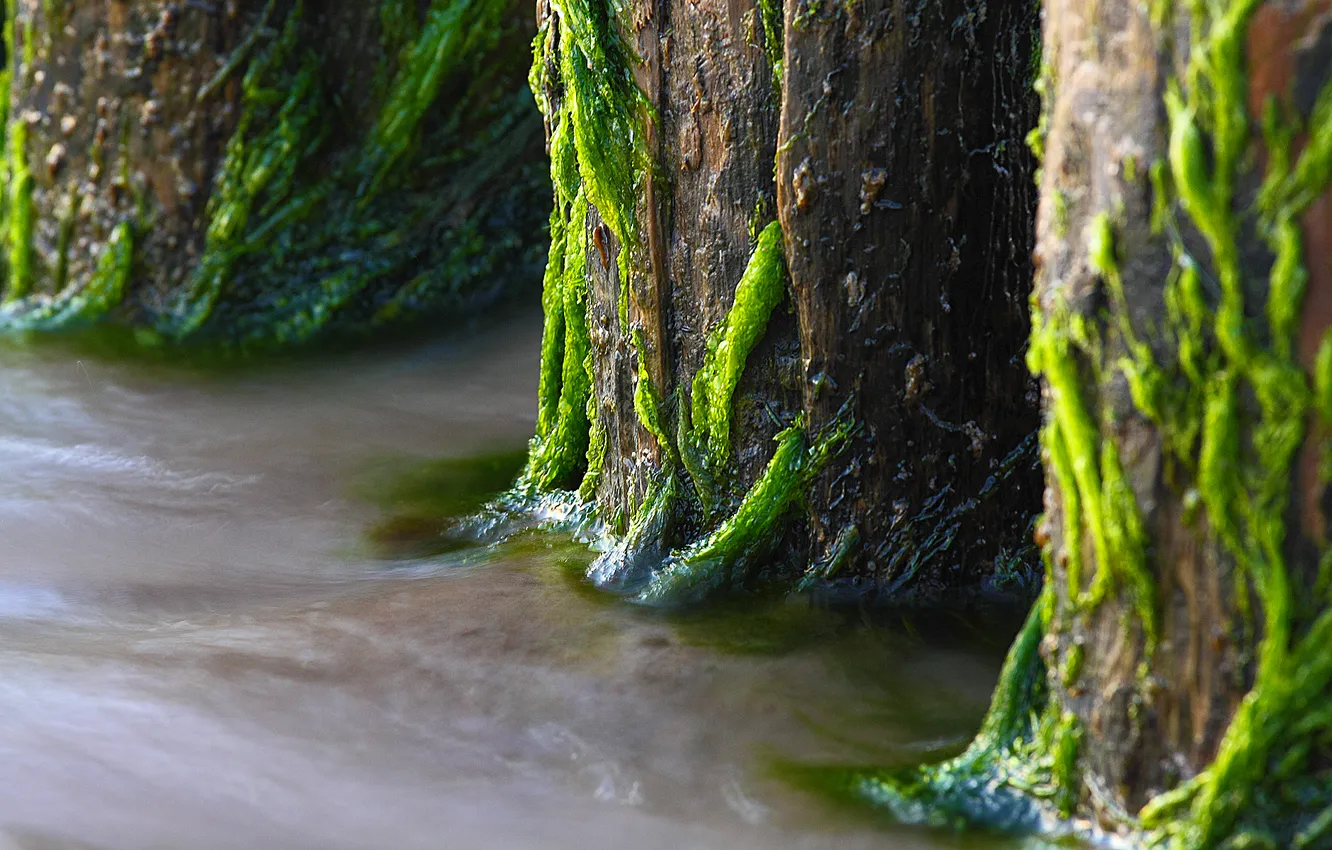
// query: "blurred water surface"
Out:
[198,648]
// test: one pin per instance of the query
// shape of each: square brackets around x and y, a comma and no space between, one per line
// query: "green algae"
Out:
[552,331]
[18,214]
[839,552]
[726,557]
[997,783]
[558,458]
[627,565]
[452,32]
[83,304]
[1239,456]
[1079,457]
[1231,406]
[311,230]
[603,113]
[760,290]
[254,171]
[423,500]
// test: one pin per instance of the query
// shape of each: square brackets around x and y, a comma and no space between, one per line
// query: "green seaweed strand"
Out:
[552,331]
[557,458]
[760,290]
[454,30]
[81,305]
[1002,774]
[252,169]
[19,226]
[750,534]
[597,160]
[605,109]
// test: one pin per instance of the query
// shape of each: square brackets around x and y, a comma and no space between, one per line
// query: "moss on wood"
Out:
[1232,406]
[320,219]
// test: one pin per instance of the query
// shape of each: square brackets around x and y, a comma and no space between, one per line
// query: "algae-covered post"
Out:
[1180,664]
[786,298]
[263,171]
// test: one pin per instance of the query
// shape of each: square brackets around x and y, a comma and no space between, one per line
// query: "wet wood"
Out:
[903,190]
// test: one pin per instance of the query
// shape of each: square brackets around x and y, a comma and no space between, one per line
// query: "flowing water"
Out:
[199,648]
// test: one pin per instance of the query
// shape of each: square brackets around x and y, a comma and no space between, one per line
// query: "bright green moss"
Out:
[1323,378]
[19,215]
[605,109]
[596,449]
[1059,465]
[81,304]
[552,331]
[1098,499]
[453,31]
[692,457]
[1060,214]
[1075,431]
[1000,782]
[310,231]
[760,290]
[1314,170]
[557,459]
[1101,246]
[1074,658]
[727,555]
[1064,772]
[598,159]
[1287,287]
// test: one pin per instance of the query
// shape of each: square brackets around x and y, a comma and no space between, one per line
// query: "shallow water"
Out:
[199,649]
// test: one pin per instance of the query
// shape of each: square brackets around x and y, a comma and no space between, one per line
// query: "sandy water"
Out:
[199,649]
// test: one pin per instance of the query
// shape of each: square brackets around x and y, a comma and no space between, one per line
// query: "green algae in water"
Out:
[727,556]
[423,500]
[989,785]
[80,305]
[558,459]
[629,563]
[759,626]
